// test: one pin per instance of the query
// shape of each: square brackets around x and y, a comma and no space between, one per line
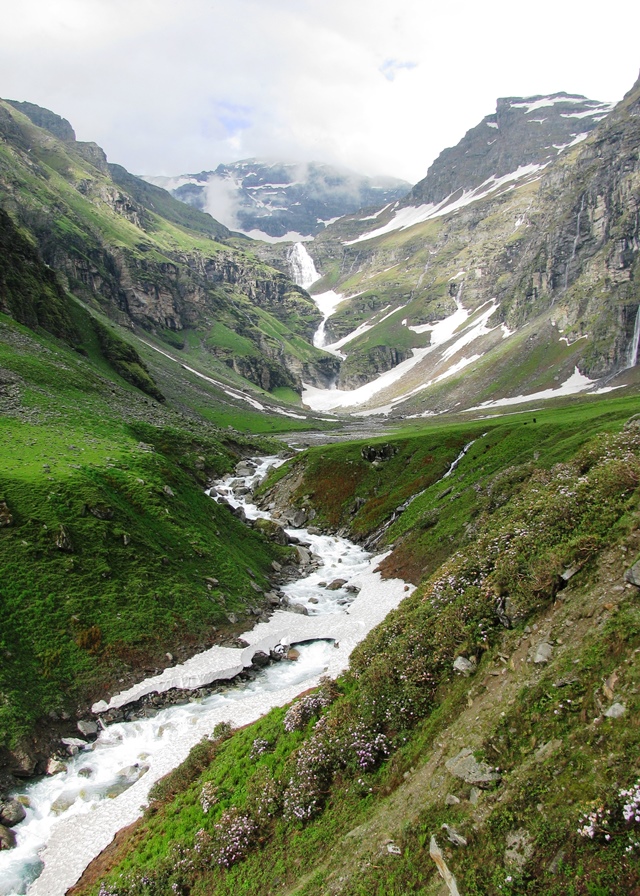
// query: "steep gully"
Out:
[73,815]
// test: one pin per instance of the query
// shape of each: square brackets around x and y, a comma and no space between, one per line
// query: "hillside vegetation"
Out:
[525,760]
[106,535]
[130,250]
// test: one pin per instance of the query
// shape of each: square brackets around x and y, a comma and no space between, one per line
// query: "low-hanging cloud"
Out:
[222,201]
[169,87]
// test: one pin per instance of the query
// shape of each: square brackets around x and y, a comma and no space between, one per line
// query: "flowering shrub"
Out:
[367,748]
[208,796]
[620,818]
[259,747]
[222,731]
[303,710]
[557,518]
[232,838]
[264,797]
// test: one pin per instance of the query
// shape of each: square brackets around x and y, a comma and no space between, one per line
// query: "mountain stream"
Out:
[73,815]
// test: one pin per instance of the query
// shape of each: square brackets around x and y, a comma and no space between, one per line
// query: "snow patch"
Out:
[577,382]
[290,237]
[412,215]
[577,139]
[533,105]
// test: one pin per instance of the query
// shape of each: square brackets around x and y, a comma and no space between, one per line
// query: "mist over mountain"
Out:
[280,199]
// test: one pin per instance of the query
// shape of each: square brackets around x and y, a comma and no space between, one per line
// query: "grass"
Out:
[111,535]
[569,504]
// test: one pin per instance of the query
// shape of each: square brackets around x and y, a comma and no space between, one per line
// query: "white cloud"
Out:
[169,87]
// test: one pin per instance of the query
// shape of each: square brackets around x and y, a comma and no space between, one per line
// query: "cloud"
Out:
[222,201]
[391,67]
[170,87]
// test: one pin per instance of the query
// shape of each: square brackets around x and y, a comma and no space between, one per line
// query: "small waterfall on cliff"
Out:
[575,242]
[632,357]
[303,270]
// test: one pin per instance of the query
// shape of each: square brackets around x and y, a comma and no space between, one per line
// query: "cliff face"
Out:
[521,132]
[147,260]
[582,256]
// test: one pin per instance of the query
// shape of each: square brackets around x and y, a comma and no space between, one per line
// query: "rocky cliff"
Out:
[540,232]
[522,131]
[146,260]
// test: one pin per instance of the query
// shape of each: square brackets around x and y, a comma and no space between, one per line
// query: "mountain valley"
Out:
[444,377]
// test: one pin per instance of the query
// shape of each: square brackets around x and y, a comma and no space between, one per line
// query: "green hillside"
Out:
[525,544]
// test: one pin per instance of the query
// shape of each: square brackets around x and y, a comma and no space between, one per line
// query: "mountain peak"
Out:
[45,118]
[522,131]
[281,199]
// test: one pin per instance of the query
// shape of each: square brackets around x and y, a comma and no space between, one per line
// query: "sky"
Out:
[169,87]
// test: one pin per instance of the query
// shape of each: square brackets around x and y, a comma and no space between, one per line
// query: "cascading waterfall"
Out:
[632,357]
[303,270]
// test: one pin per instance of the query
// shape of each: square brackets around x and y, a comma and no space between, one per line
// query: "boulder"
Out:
[6,517]
[260,658]
[24,763]
[633,575]
[298,608]
[616,711]
[12,812]
[453,836]
[87,728]
[466,767]
[55,766]
[298,518]
[63,542]
[274,532]
[7,838]
[133,772]
[463,665]
[543,653]
[518,851]
[74,745]
[101,512]
[372,453]
[336,584]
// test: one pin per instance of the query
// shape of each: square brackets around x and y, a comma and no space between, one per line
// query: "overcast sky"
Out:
[177,86]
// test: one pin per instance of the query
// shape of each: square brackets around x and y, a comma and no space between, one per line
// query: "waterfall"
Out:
[303,270]
[575,242]
[632,356]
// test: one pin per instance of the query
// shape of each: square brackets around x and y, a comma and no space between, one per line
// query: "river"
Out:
[72,816]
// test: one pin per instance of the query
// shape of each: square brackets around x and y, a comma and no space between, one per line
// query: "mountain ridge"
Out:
[274,199]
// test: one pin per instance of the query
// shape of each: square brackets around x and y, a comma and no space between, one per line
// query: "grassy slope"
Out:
[538,500]
[84,453]
[111,232]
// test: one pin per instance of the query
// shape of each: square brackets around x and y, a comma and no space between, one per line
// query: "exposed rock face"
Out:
[44,118]
[522,131]
[362,367]
[465,766]
[582,255]
[139,281]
